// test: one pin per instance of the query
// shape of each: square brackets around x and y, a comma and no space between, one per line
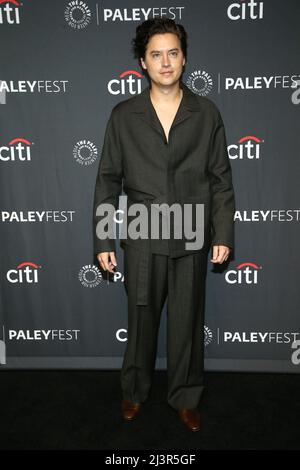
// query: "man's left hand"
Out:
[220,253]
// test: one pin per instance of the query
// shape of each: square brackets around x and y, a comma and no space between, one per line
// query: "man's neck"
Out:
[165,95]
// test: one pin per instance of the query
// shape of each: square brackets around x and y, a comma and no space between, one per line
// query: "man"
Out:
[167,146]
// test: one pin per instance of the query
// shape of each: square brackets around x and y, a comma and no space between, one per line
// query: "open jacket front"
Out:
[191,167]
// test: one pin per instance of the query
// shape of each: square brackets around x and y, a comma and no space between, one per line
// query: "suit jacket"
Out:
[192,167]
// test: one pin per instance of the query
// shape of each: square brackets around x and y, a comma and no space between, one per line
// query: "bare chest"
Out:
[166,118]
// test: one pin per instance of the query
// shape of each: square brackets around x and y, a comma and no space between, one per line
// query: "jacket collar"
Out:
[142,105]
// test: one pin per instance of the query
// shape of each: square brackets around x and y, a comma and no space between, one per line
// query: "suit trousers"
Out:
[182,282]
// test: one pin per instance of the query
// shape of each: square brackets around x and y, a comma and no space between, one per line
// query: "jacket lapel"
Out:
[144,108]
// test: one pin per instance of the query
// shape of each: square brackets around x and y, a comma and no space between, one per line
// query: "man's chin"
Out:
[167,81]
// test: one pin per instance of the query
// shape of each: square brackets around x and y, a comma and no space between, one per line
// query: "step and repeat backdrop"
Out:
[63,66]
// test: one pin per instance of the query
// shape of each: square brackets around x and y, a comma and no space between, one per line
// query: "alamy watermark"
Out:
[296,94]
[161,217]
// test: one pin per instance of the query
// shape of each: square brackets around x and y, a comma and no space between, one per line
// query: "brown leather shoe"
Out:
[190,417]
[129,409]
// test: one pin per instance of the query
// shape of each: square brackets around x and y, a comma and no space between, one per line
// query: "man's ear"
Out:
[143,64]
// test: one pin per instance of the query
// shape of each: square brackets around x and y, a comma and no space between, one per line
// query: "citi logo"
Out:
[24,272]
[9,12]
[245,273]
[244,10]
[121,335]
[248,147]
[128,82]
[17,149]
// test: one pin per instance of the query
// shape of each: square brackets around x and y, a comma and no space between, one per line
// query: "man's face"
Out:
[164,59]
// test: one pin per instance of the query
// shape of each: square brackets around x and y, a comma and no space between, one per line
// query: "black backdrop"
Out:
[63,66]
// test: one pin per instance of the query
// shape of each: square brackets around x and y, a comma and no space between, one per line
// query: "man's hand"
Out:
[220,253]
[107,260]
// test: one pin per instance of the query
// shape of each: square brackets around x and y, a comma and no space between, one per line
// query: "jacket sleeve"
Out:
[108,183]
[222,193]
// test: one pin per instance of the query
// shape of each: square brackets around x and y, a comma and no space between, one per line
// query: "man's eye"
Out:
[174,54]
[155,55]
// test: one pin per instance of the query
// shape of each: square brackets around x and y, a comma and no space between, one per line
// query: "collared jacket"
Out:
[191,167]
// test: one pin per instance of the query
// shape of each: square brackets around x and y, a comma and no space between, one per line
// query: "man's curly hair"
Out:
[150,27]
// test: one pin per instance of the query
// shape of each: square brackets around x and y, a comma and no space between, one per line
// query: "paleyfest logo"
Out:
[9,12]
[77,14]
[17,149]
[34,86]
[260,82]
[128,81]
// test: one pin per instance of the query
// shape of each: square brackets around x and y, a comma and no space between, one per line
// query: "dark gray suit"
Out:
[192,167]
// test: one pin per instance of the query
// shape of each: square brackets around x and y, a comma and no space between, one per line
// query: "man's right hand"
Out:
[107,260]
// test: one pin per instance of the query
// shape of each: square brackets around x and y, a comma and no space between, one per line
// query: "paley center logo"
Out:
[77,14]
[244,10]
[91,276]
[85,152]
[24,272]
[208,336]
[129,81]
[10,12]
[27,86]
[245,273]
[247,147]
[200,82]
[18,149]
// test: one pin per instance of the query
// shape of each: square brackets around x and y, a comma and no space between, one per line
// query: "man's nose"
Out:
[166,60]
